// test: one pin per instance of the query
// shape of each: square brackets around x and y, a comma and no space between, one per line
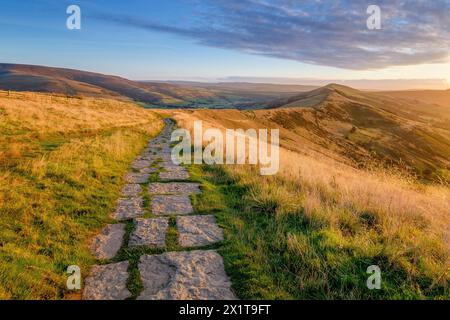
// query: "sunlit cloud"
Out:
[329,33]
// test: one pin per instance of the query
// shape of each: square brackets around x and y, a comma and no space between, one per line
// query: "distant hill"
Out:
[71,82]
[252,91]
[240,95]
[439,97]
[363,126]
[74,82]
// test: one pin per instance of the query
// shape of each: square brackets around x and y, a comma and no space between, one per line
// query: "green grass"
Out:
[291,256]
[52,208]
[61,171]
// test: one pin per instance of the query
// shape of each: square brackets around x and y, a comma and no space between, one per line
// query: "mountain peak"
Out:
[340,87]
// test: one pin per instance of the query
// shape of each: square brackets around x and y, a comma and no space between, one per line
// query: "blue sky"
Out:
[211,39]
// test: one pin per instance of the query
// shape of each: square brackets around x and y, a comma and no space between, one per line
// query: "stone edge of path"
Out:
[184,275]
[106,245]
[107,282]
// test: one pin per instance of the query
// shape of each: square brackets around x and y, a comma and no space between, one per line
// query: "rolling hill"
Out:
[340,202]
[360,128]
[74,82]
[245,95]
[438,97]
[366,126]
[71,82]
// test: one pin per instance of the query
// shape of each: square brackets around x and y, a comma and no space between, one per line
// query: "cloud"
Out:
[331,33]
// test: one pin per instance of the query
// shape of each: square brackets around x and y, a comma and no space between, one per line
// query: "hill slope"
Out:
[364,128]
[312,230]
[74,82]
[62,163]
[71,82]
[245,95]
[438,97]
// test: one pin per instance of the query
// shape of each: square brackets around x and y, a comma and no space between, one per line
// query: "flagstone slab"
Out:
[171,167]
[148,170]
[106,245]
[174,175]
[137,177]
[195,231]
[107,282]
[171,204]
[194,275]
[149,233]
[174,188]
[140,164]
[128,208]
[132,190]
[153,157]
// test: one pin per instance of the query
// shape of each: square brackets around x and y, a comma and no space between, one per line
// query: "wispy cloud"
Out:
[331,33]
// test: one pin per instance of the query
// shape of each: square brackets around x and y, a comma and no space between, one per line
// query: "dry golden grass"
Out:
[61,171]
[45,113]
[346,214]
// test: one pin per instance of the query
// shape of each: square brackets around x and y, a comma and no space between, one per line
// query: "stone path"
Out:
[106,245]
[108,282]
[187,275]
[149,232]
[198,231]
[171,204]
[194,275]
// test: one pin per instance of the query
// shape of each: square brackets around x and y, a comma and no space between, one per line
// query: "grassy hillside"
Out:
[437,97]
[311,231]
[240,94]
[370,128]
[62,163]
[82,83]
[70,82]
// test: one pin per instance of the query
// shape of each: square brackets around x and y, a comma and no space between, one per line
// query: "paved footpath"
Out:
[188,274]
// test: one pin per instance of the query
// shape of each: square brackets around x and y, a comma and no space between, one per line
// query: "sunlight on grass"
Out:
[311,231]
[61,187]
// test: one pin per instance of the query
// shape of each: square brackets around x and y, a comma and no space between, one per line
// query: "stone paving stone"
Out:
[151,157]
[137,177]
[195,231]
[174,175]
[107,282]
[128,208]
[140,164]
[166,161]
[148,170]
[149,232]
[174,188]
[132,190]
[194,275]
[106,245]
[169,166]
[170,204]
